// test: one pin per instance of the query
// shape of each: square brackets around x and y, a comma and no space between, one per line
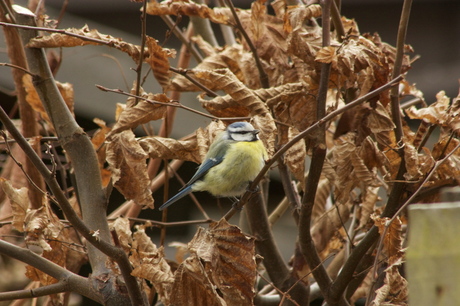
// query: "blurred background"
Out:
[434,33]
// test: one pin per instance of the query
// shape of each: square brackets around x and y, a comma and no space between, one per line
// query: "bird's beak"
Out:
[256,132]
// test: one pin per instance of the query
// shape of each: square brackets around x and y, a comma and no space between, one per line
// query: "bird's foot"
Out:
[253,190]
[235,203]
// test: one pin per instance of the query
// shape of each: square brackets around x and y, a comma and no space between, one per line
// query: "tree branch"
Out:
[68,280]
[266,246]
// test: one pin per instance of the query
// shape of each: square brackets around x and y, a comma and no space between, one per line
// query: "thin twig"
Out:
[262,74]
[8,151]
[173,104]
[183,72]
[170,224]
[141,55]
[17,67]
[35,292]
[191,47]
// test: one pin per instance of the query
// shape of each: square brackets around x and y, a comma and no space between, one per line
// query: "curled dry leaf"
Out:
[298,14]
[158,61]
[127,162]
[228,257]
[393,240]
[380,120]
[341,161]
[191,274]
[362,173]
[412,161]
[19,201]
[394,290]
[149,263]
[223,106]
[369,198]
[321,199]
[327,225]
[36,223]
[229,57]
[168,148]
[93,37]
[326,55]
[144,111]
[435,113]
[451,168]
[122,229]
[189,8]
[295,157]
[291,104]
[44,230]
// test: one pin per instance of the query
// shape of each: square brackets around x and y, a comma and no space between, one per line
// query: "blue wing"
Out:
[202,170]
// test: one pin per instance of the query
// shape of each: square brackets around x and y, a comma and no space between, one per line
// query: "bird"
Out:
[234,159]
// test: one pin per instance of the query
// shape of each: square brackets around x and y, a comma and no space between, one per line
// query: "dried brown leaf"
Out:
[149,263]
[192,285]
[19,201]
[122,229]
[394,291]
[45,233]
[393,240]
[451,168]
[341,161]
[298,14]
[189,8]
[229,58]
[328,224]
[158,59]
[58,40]
[168,148]
[326,55]
[295,157]
[362,173]
[291,104]
[229,259]
[127,162]
[322,195]
[223,106]
[133,115]
[380,120]
[58,255]
[369,199]
[411,158]
[434,113]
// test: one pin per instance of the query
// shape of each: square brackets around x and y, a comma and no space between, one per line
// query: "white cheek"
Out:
[242,137]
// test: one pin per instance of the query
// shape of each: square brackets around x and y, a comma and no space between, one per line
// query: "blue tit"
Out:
[234,159]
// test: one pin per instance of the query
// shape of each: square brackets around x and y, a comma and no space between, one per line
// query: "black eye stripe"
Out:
[241,132]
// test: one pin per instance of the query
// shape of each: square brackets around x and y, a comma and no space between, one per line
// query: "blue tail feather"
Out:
[177,197]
